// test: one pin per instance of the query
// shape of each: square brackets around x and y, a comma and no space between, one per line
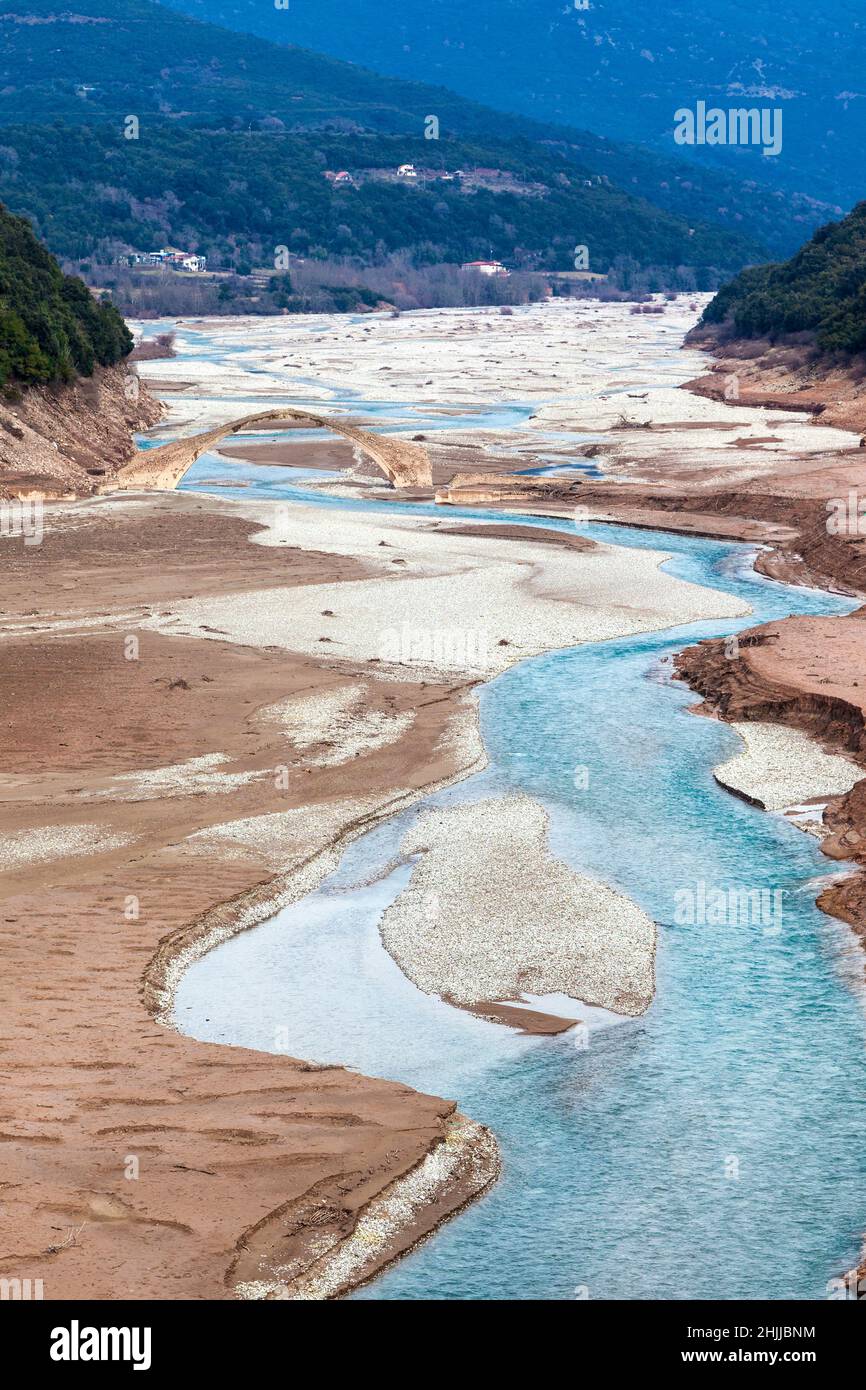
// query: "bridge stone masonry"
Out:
[405,464]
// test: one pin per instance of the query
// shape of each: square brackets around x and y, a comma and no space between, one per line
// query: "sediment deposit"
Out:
[490,915]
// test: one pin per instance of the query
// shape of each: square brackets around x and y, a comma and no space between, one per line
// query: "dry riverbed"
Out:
[182,755]
[735,458]
[204,700]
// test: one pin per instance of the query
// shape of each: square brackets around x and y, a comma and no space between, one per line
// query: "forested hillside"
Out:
[51,327]
[820,291]
[237,196]
[106,60]
[620,67]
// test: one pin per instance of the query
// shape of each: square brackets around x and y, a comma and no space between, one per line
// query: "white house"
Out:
[407,171]
[486,267]
[183,260]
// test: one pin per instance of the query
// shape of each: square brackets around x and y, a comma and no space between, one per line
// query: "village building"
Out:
[486,267]
[167,255]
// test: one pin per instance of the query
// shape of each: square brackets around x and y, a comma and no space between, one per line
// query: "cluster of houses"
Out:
[168,256]
[406,172]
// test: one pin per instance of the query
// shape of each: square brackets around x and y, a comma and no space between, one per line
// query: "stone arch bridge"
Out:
[404,464]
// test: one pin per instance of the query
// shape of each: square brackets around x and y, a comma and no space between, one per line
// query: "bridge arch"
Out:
[404,463]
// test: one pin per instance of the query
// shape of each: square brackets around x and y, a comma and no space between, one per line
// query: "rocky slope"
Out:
[810,673]
[63,440]
[792,335]
[68,401]
[781,376]
[806,672]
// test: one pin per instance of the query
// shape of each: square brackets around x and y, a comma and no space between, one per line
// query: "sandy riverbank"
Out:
[176,780]
[781,768]
[584,382]
[485,602]
[749,460]
[139,1163]
[796,690]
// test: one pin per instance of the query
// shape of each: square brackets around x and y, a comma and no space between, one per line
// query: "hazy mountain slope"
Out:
[618,67]
[113,58]
[119,57]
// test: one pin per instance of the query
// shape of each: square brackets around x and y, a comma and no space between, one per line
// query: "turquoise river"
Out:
[713,1148]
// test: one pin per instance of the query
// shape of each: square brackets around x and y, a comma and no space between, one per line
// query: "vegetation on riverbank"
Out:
[51,327]
[819,293]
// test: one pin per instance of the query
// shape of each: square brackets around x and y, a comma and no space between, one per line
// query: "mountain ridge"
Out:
[632,64]
[122,58]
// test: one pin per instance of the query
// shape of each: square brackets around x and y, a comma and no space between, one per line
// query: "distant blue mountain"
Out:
[103,60]
[620,68]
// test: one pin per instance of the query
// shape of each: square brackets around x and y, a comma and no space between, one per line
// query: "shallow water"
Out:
[711,1149]
[402,417]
